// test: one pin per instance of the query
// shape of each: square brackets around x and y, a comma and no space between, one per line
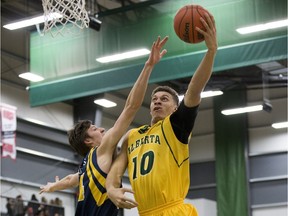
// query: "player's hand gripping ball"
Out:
[186,20]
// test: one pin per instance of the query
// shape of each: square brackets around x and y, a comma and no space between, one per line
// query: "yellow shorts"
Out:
[172,209]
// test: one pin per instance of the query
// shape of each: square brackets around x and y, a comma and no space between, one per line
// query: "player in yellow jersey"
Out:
[157,155]
[98,147]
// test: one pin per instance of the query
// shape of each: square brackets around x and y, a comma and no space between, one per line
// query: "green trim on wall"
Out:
[169,68]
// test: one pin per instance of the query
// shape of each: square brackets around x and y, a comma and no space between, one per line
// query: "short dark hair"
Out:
[169,90]
[77,136]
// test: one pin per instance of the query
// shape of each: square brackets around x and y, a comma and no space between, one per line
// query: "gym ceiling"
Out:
[70,70]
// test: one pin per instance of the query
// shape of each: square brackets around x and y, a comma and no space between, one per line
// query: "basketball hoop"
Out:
[58,14]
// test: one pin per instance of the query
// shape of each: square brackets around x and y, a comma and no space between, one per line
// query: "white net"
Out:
[62,16]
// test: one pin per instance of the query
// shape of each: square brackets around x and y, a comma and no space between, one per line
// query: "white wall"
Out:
[58,115]
[204,206]
[277,211]
[265,139]
[133,211]
[202,148]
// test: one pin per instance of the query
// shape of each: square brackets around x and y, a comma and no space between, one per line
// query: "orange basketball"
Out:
[186,20]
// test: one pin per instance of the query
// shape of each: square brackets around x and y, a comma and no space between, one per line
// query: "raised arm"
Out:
[133,103]
[202,74]
[67,182]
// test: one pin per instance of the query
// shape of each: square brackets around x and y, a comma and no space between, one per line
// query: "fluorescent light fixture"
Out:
[35,121]
[205,94]
[31,77]
[242,110]
[263,27]
[280,125]
[210,93]
[105,103]
[31,21]
[122,56]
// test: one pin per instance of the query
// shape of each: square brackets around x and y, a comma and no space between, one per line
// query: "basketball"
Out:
[186,20]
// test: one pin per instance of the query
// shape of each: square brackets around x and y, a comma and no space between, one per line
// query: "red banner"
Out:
[8,121]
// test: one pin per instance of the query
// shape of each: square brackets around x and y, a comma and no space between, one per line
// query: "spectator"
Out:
[40,212]
[44,200]
[52,202]
[59,209]
[19,206]
[34,203]
[10,207]
[29,211]
[58,201]
[33,198]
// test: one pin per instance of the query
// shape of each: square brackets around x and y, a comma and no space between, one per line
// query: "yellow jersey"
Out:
[158,166]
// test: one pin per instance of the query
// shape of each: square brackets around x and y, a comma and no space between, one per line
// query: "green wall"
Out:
[70,70]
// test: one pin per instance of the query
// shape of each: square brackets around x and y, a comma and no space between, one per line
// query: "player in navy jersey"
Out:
[98,147]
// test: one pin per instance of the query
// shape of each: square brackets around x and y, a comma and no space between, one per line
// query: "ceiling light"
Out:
[263,27]
[242,110]
[265,106]
[125,55]
[279,71]
[31,21]
[35,121]
[31,77]
[210,93]
[105,103]
[280,125]
[205,94]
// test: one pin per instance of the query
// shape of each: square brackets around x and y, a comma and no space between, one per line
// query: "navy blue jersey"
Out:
[93,199]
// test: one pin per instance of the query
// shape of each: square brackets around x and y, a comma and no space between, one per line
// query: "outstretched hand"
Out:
[117,196]
[156,51]
[210,33]
[48,187]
